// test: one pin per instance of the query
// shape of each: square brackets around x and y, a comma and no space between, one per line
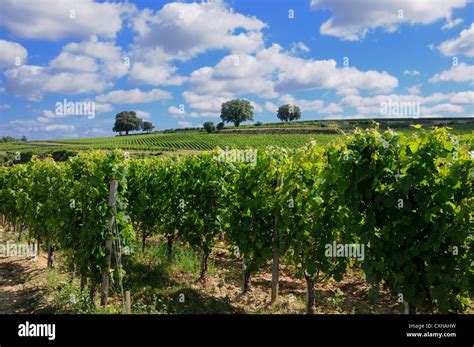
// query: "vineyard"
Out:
[194,140]
[398,208]
[197,141]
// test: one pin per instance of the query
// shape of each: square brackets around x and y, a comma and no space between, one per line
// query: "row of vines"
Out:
[407,200]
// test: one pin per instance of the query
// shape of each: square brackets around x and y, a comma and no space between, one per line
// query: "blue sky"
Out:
[176,62]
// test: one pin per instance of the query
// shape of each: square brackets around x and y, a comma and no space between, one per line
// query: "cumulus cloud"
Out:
[462,45]
[186,29]
[56,20]
[463,98]
[272,72]
[352,20]
[180,31]
[436,104]
[59,127]
[92,56]
[12,54]
[185,124]
[153,66]
[85,67]
[459,73]
[310,105]
[48,116]
[414,89]
[177,112]
[204,103]
[143,114]
[133,96]
[32,82]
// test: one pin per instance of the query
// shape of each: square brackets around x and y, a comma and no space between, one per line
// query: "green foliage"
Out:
[250,215]
[201,191]
[209,126]
[411,203]
[288,112]
[147,126]
[236,111]
[408,200]
[127,121]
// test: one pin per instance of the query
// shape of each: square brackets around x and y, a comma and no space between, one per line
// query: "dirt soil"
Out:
[21,283]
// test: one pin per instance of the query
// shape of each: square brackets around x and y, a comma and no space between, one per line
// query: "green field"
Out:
[185,141]
[172,142]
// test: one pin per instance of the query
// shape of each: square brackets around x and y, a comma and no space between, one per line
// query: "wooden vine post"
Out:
[104,292]
[276,254]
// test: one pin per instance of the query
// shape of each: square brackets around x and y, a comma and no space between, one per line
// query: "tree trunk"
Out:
[73,272]
[50,255]
[275,264]
[92,292]
[169,247]
[204,258]
[20,234]
[143,242]
[309,295]
[409,308]
[83,282]
[104,289]
[276,255]
[246,279]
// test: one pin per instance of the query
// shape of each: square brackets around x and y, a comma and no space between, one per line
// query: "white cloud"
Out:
[133,96]
[462,45]
[437,104]
[85,67]
[352,20]
[452,23]
[299,47]
[153,66]
[103,108]
[270,107]
[411,73]
[414,89]
[11,54]
[272,72]
[47,116]
[5,106]
[459,73]
[32,82]
[443,108]
[463,98]
[180,31]
[143,114]
[184,124]
[204,102]
[310,105]
[59,127]
[186,29]
[52,19]
[91,56]
[177,112]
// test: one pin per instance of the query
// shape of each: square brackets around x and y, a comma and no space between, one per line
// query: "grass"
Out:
[158,285]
